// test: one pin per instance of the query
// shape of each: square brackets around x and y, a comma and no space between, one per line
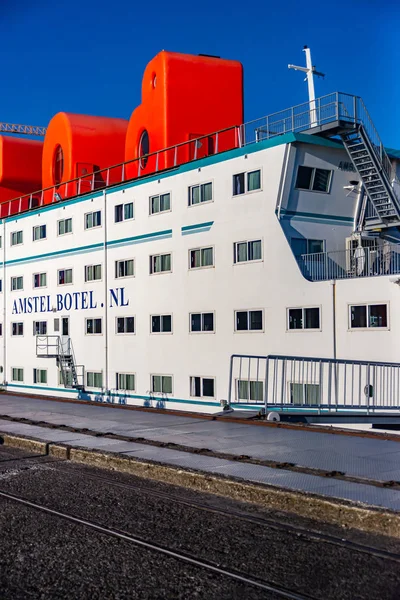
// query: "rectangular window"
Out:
[250,390]
[302,246]
[17,374]
[64,276]
[305,393]
[246,182]
[125,325]
[64,226]
[248,320]
[39,327]
[1,285]
[160,203]
[247,251]
[317,180]
[126,381]
[202,322]
[124,268]
[303,318]
[92,273]
[1,329]
[368,316]
[123,212]
[94,379]
[160,263]
[161,384]
[17,329]
[202,387]
[39,375]
[17,237]
[93,326]
[200,193]
[67,376]
[39,280]
[17,283]
[201,257]
[161,324]
[39,232]
[93,219]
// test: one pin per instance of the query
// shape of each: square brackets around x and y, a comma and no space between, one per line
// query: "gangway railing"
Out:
[320,385]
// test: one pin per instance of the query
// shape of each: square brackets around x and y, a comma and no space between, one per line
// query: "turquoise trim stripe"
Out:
[316,218]
[42,387]
[137,239]
[198,228]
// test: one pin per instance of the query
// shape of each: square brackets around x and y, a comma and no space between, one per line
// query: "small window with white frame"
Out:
[94,379]
[249,181]
[64,276]
[17,237]
[249,390]
[39,280]
[17,283]
[160,263]
[313,179]
[249,251]
[200,194]
[17,374]
[123,212]
[307,394]
[92,273]
[125,325]
[93,219]
[94,326]
[40,376]
[368,316]
[126,382]
[202,322]
[304,318]
[124,268]
[161,384]
[39,232]
[17,328]
[202,387]
[64,226]
[201,257]
[39,327]
[161,323]
[249,320]
[159,204]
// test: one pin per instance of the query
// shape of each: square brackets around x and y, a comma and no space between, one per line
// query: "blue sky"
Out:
[88,56]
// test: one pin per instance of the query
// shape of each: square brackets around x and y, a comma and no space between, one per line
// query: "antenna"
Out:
[310,70]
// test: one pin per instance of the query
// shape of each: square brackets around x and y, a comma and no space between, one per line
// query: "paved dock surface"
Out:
[376,460]
[46,556]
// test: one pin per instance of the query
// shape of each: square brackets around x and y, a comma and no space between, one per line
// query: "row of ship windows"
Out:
[308,178]
[245,251]
[199,387]
[361,316]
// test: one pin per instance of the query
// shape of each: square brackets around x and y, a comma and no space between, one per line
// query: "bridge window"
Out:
[201,257]
[161,384]
[249,390]
[247,251]
[199,194]
[94,379]
[126,381]
[39,327]
[368,316]
[40,376]
[39,232]
[92,273]
[64,276]
[161,323]
[39,280]
[17,374]
[248,320]
[160,263]
[246,182]
[17,329]
[65,226]
[17,283]
[303,318]
[202,387]
[94,326]
[202,322]
[125,325]
[123,212]
[17,237]
[316,180]
[124,268]
[160,203]
[303,246]
[93,219]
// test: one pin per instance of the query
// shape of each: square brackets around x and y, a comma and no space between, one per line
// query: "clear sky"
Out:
[88,56]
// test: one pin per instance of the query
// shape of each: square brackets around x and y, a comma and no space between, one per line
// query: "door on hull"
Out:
[65,334]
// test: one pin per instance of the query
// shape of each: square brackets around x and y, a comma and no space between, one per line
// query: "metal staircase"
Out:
[53,346]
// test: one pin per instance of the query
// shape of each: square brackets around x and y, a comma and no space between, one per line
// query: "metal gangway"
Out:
[61,348]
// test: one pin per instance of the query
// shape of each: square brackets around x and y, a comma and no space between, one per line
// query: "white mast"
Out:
[310,70]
